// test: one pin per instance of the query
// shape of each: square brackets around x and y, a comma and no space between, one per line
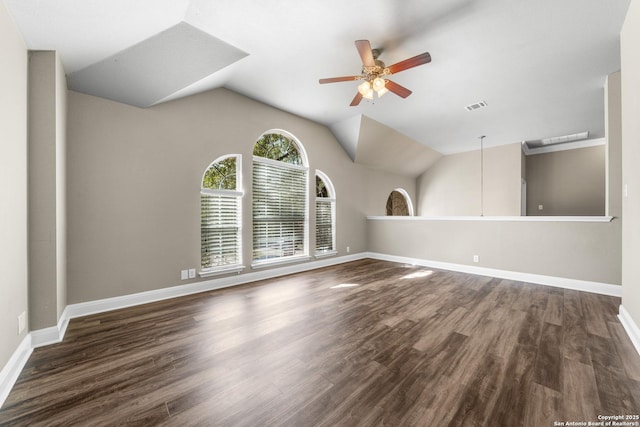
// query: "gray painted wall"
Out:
[47,204]
[452,185]
[573,250]
[13,185]
[61,187]
[630,54]
[134,183]
[570,182]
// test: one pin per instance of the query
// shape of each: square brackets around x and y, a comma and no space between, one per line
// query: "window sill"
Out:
[269,263]
[216,271]
[325,254]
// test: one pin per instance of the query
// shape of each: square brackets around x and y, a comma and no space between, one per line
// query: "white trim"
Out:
[287,134]
[332,200]
[278,163]
[279,261]
[332,207]
[407,199]
[115,303]
[11,371]
[325,254]
[217,192]
[497,218]
[238,158]
[630,326]
[52,335]
[221,270]
[328,184]
[558,282]
[562,147]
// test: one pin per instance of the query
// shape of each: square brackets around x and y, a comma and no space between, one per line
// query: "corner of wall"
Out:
[630,85]
[13,187]
[632,329]
[47,188]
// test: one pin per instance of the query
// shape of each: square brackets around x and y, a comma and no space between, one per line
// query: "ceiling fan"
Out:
[374,72]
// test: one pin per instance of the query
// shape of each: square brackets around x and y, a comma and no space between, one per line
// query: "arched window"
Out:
[220,223]
[325,215]
[280,220]
[399,203]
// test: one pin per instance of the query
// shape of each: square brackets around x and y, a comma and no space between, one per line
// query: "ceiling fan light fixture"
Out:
[364,88]
[369,94]
[382,91]
[378,84]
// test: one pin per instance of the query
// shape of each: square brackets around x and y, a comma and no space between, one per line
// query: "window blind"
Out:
[220,228]
[279,210]
[324,225]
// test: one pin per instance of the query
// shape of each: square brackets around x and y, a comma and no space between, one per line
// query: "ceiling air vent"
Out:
[476,106]
[565,138]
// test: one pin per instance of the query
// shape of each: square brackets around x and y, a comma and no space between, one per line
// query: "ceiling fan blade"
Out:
[421,59]
[364,49]
[356,100]
[339,79]
[399,90]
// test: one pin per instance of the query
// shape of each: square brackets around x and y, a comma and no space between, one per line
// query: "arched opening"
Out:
[399,203]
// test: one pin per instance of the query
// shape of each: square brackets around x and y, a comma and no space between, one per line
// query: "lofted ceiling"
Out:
[540,66]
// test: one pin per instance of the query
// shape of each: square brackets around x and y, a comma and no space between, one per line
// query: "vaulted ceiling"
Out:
[540,66]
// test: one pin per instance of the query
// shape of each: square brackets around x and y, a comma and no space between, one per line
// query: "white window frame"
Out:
[258,263]
[331,200]
[237,194]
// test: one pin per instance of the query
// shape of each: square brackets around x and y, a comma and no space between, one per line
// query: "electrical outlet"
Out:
[476,258]
[540,207]
[348,249]
[192,273]
[22,322]
[184,274]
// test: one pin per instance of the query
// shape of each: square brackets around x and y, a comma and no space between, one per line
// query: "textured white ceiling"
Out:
[540,65]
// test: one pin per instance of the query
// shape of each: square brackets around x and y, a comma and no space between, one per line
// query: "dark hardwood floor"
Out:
[364,343]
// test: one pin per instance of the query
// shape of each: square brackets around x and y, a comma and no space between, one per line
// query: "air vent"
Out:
[476,106]
[565,138]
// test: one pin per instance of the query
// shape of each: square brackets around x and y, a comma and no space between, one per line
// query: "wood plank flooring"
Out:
[365,343]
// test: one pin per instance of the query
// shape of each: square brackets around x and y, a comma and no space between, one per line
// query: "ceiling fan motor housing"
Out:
[378,70]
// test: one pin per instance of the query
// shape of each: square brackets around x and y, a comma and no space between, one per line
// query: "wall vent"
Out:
[476,106]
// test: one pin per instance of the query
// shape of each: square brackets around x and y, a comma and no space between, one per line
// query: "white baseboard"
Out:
[559,282]
[630,326]
[53,334]
[108,304]
[11,371]
[56,333]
